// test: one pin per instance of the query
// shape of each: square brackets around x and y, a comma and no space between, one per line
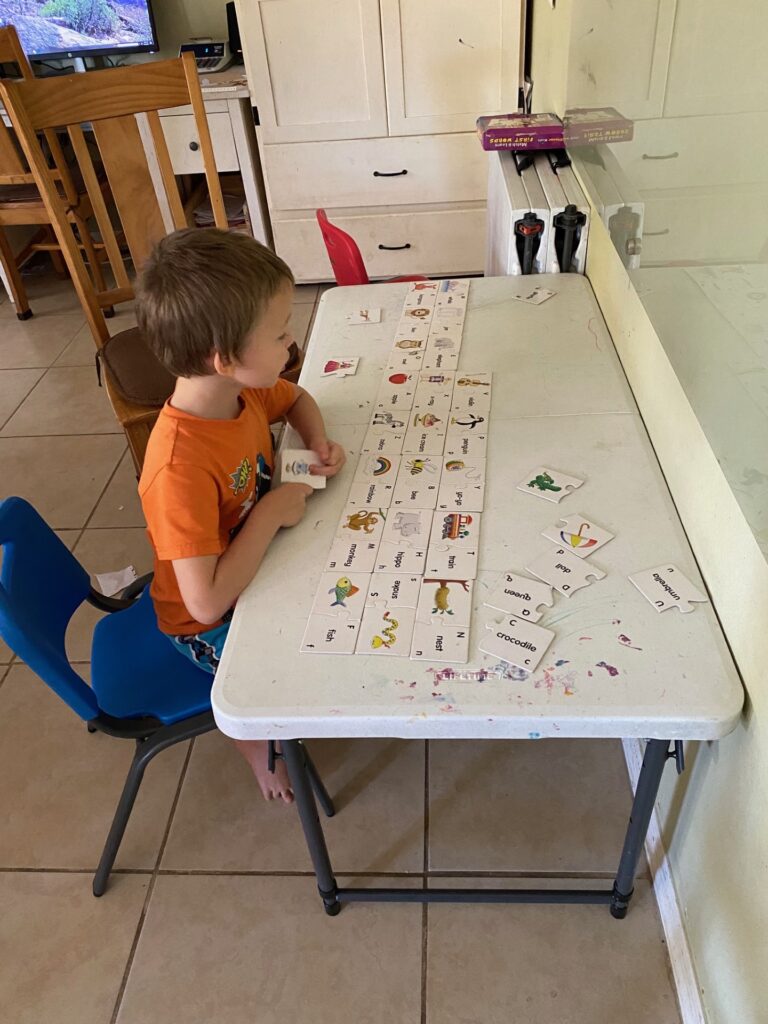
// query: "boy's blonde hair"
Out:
[201,291]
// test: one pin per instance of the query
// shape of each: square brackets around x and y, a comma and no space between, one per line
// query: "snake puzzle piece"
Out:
[386,631]
[294,468]
[341,597]
[666,587]
[520,596]
[564,571]
[549,484]
[516,641]
[578,535]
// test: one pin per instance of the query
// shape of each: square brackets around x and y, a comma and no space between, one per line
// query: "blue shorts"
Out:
[204,649]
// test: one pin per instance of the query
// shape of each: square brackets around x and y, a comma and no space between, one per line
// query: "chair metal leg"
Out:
[146,749]
[318,786]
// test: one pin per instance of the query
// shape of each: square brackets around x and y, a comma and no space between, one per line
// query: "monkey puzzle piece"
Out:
[550,484]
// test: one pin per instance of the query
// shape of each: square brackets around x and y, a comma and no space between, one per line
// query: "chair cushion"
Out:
[136,671]
[135,371]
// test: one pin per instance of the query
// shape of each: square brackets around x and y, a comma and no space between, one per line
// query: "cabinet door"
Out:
[619,55]
[314,68]
[448,61]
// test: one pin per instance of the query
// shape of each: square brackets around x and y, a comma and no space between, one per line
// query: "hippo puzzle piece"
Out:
[520,596]
[404,542]
[340,596]
[549,484]
[516,641]
[445,601]
[666,587]
[564,571]
[578,535]
[294,467]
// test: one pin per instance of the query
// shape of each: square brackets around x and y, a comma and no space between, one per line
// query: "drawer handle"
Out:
[651,234]
[663,156]
[389,174]
[194,146]
[391,248]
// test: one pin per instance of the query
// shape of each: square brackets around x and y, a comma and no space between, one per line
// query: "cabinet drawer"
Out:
[680,152]
[441,242]
[702,225]
[181,134]
[369,172]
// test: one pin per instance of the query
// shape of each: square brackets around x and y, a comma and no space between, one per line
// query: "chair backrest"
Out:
[120,106]
[41,585]
[346,261]
[14,169]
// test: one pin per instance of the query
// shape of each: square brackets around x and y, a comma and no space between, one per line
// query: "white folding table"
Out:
[616,668]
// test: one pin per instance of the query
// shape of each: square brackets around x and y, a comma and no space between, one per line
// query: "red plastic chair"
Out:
[346,261]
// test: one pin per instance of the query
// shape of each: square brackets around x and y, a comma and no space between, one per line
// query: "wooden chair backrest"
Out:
[120,106]
[14,169]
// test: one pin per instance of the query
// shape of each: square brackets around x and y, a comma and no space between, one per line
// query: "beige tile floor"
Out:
[212,914]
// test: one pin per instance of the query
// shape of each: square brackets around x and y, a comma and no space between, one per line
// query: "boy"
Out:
[215,307]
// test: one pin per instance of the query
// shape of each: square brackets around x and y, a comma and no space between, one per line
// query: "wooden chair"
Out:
[120,107]
[21,202]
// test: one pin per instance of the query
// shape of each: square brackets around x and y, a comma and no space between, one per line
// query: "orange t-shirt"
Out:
[200,480]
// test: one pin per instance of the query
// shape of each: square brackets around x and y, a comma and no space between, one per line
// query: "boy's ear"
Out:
[221,365]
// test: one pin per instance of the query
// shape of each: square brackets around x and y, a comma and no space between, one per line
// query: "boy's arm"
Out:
[210,584]
[305,417]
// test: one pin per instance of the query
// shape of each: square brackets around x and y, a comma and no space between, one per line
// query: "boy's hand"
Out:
[331,456]
[290,502]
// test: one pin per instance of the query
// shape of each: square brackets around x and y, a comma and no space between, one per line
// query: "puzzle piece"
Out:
[294,467]
[578,535]
[324,635]
[440,643]
[383,441]
[476,401]
[408,527]
[358,555]
[549,483]
[425,299]
[408,361]
[364,316]
[397,421]
[340,367]
[437,359]
[470,383]
[666,587]
[397,590]
[445,600]
[418,481]
[462,485]
[366,521]
[454,530]
[424,441]
[520,596]
[386,631]
[516,641]
[473,446]
[381,468]
[454,562]
[341,597]
[564,571]
[370,493]
[466,421]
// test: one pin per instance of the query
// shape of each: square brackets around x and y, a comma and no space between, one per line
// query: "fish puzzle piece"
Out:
[445,600]
[564,571]
[520,596]
[386,631]
[666,587]
[442,642]
[516,641]
[549,484]
[324,635]
[341,597]
[578,535]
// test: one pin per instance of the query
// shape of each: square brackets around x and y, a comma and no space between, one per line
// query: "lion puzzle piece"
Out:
[666,587]
[549,484]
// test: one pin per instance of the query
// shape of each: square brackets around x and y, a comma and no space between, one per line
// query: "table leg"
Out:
[656,754]
[310,822]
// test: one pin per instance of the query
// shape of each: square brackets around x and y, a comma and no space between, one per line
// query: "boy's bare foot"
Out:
[274,785]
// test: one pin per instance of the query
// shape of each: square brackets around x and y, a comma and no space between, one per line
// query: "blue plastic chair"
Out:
[141,688]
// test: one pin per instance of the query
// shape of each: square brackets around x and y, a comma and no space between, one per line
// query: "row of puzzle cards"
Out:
[399,576]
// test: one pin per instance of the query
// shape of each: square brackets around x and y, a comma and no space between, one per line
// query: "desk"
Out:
[559,398]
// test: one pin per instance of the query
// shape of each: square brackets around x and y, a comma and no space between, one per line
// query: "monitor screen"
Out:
[80,28]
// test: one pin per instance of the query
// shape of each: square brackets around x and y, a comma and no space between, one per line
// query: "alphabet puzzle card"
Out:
[445,601]
[294,467]
[549,483]
[383,440]
[341,597]
[473,446]
[444,642]
[462,485]
[520,596]
[324,635]
[367,521]
[666,587]
[418,482]
[347,555]
[517,642]
[386,631]
[579,535]
[456,530]
[396,590]
[565,572]
[408,527]
[340,367]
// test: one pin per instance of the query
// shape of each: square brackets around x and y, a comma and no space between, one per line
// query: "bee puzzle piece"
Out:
[666,587]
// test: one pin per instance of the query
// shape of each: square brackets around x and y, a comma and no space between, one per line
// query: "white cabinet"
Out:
[393,159]
[447,61]
[314,68]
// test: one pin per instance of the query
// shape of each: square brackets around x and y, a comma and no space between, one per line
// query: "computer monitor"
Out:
[51,29]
